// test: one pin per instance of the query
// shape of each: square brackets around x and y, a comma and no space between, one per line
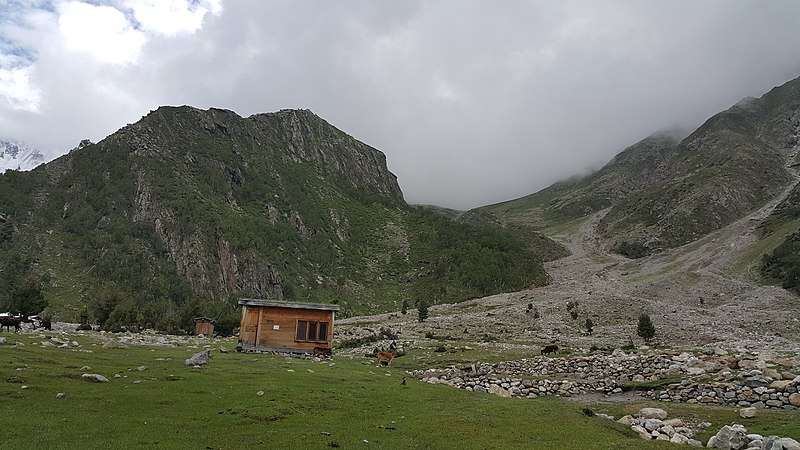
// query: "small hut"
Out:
[204,326]
[286,326]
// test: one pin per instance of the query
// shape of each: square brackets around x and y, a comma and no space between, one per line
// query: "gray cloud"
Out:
[472,102]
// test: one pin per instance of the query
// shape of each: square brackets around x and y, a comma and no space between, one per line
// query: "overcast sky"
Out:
[473,102]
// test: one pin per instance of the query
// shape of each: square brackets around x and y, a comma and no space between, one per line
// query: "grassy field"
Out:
[344,403]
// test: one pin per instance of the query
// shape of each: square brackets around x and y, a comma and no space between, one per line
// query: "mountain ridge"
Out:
[662,192]
[186,209]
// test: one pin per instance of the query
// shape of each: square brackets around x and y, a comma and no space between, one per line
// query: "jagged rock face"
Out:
[213,265]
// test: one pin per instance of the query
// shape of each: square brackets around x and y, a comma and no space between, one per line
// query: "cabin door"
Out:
[249,329]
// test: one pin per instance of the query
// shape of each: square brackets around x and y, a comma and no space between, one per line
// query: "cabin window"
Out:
[311,330]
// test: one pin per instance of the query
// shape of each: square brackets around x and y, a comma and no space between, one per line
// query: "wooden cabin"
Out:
[286,326]
[204,326]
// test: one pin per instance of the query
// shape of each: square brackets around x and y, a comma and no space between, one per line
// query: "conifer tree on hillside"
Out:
[422,310]
[645,329]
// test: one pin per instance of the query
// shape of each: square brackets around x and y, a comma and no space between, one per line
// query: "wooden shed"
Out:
[204,326]
[285,326]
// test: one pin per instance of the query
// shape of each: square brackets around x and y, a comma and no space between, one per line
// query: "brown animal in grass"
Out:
[322,351]
[10,321]
[386,356]
[547,349]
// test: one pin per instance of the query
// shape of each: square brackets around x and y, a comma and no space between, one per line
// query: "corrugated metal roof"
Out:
[284,304]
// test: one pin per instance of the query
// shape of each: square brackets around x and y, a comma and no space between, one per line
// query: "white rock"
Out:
[641,432]
[94,377]
[747,413]
[652,413]
[625,420]
[678,438]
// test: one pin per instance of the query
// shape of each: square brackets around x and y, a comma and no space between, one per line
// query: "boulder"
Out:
[794,399]
[94,377]
[653,424]
[652,413]
[747,413]
[644,434]
[625,420]
[757,381]
[678,438]
[198,358]
[499,391]
[779,443]
[729,437]
[780,384]
[676,422]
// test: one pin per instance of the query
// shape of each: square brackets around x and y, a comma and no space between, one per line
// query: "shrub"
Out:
[589,325]
[422,310]
[645,328]
[633,250]
[404,308]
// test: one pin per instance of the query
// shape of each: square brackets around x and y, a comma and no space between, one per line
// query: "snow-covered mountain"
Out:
[18,155]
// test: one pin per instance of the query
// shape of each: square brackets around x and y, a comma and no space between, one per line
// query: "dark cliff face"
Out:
[190,203]
[665,192]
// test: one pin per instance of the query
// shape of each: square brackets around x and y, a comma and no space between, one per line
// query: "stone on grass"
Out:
[198,358]
[678,438]
[61,395]
[644,434]
[260,393]
[223,349]
[729,437]
[747,413]
[625,420]
[652,413]
[499,391]
[141,368]
[676,422]
[779,443]
[94,377]
[653,424]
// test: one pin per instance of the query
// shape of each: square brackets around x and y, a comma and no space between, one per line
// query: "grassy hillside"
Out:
[304,404]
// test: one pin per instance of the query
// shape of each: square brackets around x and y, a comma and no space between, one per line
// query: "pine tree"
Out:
[645,329]
[422,310]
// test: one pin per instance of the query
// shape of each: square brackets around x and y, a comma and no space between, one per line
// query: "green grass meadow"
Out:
[340,403]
